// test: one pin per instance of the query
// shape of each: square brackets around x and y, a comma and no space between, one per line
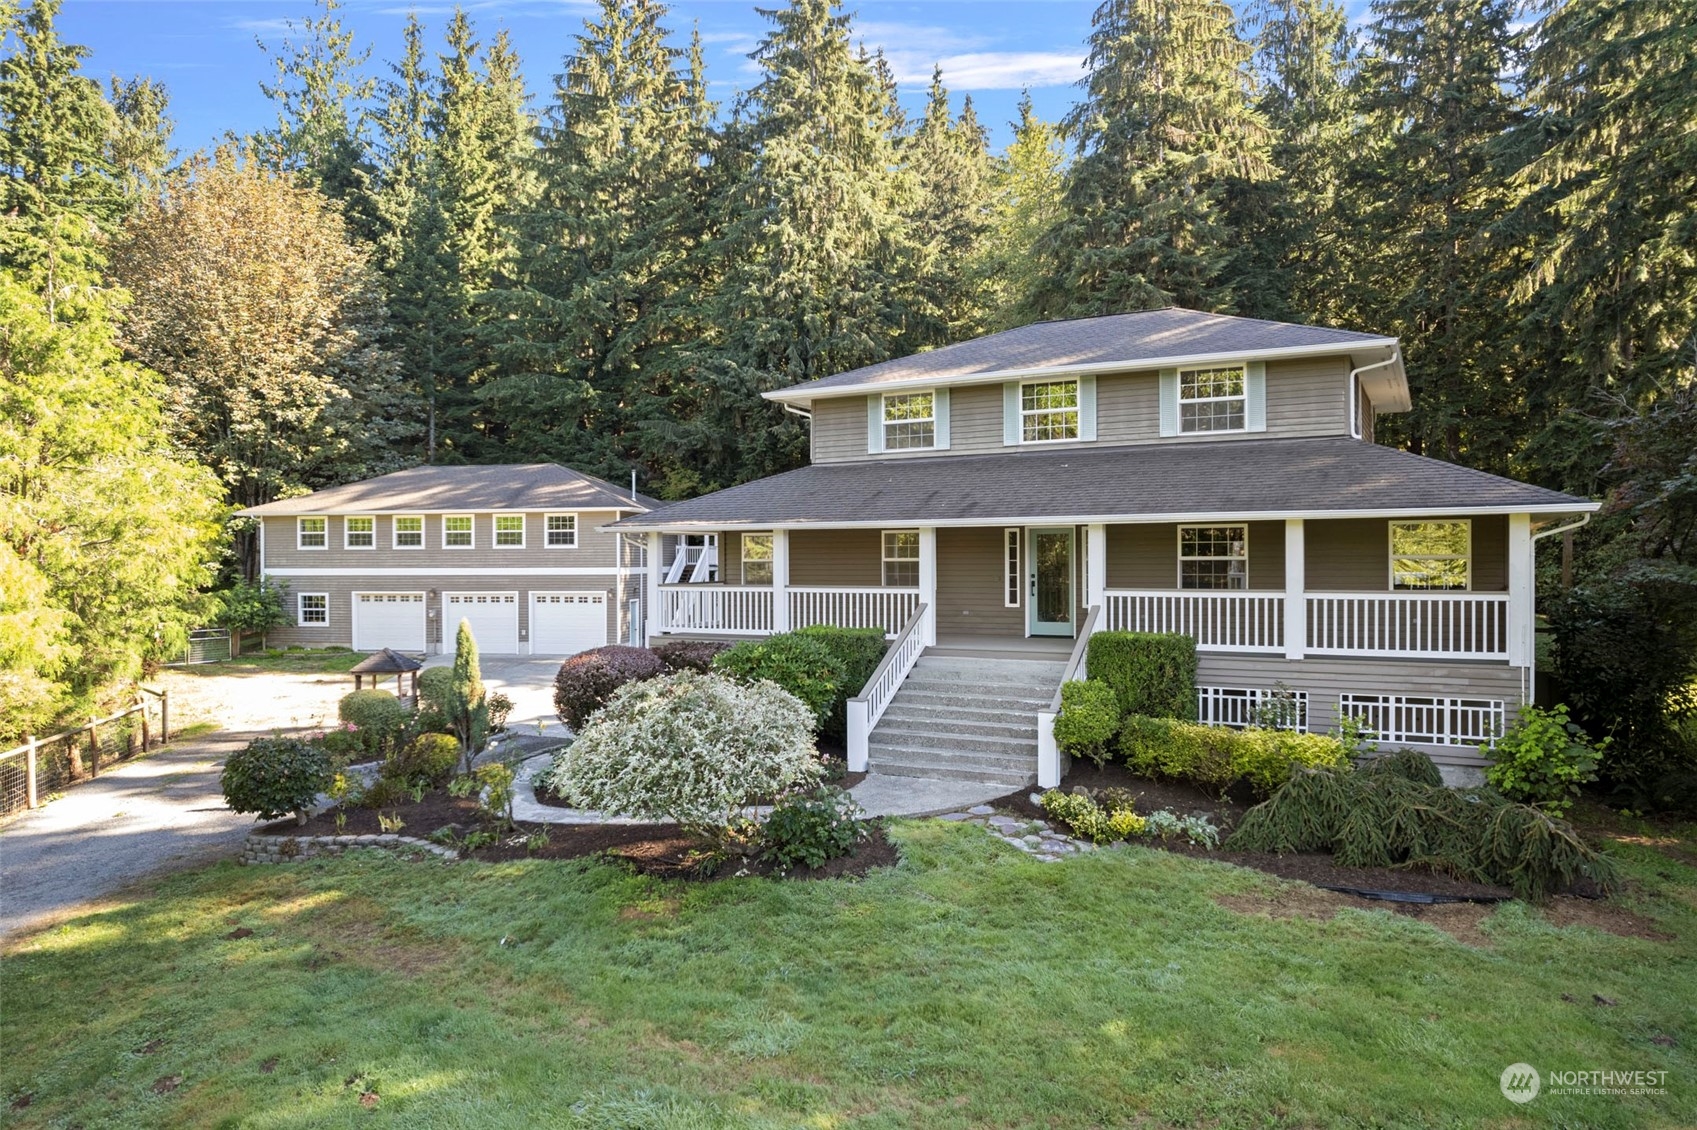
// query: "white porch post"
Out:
[1522,584]
[1095,565]
[652,611]
[780,580]
[1296,584]
[928,583]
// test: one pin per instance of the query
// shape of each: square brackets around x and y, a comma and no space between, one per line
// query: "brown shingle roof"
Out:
[506,486]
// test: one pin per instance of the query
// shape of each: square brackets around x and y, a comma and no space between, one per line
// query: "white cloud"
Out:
[989,70]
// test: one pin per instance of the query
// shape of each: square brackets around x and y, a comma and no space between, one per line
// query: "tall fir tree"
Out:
[1422,193]
[1028,183]
[949,218]
[813,243]
[1166,128]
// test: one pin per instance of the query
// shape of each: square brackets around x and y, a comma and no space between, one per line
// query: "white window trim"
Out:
[347,533]
[1013,567]
[495,529]
[1242,397]
[886,560]
[547,534]
[300,529]
[395,531]
[885,421]
[1077,410]
[743,558]
[1392,554]
[1244,526]
[300,610]
[471,544]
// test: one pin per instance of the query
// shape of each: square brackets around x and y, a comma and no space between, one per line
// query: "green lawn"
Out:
[302,661]
[970,987]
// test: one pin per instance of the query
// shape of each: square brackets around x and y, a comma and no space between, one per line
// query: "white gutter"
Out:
[806,392]
[794,411]
[1567,526]
[1352,390]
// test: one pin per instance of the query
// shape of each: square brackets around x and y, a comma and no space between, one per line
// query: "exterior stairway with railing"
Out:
[967,718]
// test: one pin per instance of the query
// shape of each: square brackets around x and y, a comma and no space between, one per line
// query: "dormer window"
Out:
[1048,411]
[1213,400]
[910,421]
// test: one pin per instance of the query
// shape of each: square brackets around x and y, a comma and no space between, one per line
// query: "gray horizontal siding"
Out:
[1145,555]
[971,597]
[594,547]
[1354,554]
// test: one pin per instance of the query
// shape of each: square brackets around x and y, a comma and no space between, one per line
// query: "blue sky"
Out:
[204,50]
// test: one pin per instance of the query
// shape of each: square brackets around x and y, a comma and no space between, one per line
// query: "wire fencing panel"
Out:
[67,758]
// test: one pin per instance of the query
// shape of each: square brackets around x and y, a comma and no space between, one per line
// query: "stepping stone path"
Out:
[1036,838]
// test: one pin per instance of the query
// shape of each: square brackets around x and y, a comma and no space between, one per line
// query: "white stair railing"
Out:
[867,707]
[1049,767]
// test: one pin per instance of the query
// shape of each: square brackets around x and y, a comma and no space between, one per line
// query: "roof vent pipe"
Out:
[1352,390]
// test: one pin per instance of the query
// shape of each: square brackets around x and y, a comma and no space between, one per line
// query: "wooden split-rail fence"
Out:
[42,766]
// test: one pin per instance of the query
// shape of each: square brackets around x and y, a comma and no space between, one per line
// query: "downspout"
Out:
[794,411]
[1526,675]
[1352,390]
[1584,519]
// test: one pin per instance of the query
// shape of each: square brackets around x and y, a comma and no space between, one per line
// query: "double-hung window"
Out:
[901,558]
[359,533]
[456,531]
[312,533]
[561,531]
[757,559]
[409,531]
[313,609]
[1431,555]
[1212,400]
[1213,557]
[509,531]
[910,421]
[1048,411]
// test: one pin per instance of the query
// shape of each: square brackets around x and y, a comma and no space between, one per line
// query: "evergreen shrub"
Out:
[1089,719]
[1153,673]
[1214,757]
[806,667]
[379,717]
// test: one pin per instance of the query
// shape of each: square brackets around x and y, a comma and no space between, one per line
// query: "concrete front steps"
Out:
[966,718]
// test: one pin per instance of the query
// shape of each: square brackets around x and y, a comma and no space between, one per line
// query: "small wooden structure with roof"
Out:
[381,664]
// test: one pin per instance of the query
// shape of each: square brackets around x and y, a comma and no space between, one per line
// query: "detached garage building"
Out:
[398,561]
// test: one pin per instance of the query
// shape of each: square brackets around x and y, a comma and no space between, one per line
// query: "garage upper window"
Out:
[312,533]
[409,531]
[509,531]
[359,533]
[314,608]
[562,531]
[456,531]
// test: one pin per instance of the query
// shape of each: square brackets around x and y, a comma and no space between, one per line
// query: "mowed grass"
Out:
[298,661]
[970,987]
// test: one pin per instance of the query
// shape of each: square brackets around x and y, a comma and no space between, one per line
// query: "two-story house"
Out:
[399,560]
[991,504]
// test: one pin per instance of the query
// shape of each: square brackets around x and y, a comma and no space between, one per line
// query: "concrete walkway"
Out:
[160,813]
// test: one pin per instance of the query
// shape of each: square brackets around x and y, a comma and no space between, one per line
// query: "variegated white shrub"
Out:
[691,748]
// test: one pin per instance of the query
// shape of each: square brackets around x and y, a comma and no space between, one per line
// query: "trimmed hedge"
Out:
[689,655]
[1089,719]
[802,665]
[380,716]
[1154,674]
[858,651]
[1214,757]
[587,680]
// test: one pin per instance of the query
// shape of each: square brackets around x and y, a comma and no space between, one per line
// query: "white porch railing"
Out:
[1415,625]
[886,608]
[733,609]
[1219,621]
[867,707]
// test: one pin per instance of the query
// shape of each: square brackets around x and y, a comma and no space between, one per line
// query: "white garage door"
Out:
[494,620]
[565,623]
[389,619]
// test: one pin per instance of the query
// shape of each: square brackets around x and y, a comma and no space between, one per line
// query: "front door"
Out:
[1050,567]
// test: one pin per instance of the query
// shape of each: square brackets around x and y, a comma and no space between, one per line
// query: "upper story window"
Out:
[910,421]
[409,531]
[561,531]
[509,531]
[1212,400]
[1213,557]
[1048,411]
[757,559]
[1431,555]
[456,531]
[312,533]
[359,533]
[901,558]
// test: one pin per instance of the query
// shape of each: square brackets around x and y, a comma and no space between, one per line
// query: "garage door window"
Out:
[314,609]
[456,531]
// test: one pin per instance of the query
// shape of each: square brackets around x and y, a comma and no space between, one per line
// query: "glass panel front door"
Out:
[1051,583]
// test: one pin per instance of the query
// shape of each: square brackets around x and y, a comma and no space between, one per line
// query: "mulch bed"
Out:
[653,849]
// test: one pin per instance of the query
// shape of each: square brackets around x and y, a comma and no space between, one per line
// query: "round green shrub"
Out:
[435,693]
[858,652]
[1089,719]
[588,679]
[812,827]
[798,663]
[379,715]
[427,760]
[273,777]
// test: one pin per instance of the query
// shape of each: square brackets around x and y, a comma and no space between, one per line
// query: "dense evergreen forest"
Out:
[426,261]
